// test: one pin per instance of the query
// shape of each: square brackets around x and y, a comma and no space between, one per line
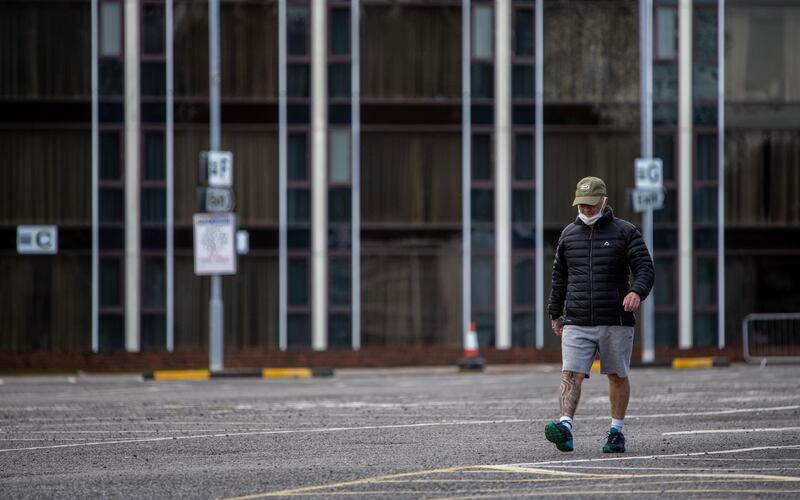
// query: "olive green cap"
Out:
[589,191]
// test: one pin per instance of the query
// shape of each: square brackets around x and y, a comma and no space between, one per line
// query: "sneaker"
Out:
[615,442]
[559,434]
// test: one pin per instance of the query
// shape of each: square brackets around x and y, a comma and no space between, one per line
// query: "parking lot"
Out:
[403,433]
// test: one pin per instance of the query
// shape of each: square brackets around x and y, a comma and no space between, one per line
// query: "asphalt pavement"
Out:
[409,433]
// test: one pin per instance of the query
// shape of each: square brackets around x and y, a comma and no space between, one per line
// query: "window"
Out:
[482,281]
[340,155]
[482,32]
[298,282]
[523,157]
[153,29]
[481,160]
[297,30]
[340,32]
[297,159]
[666,20]
[110,29]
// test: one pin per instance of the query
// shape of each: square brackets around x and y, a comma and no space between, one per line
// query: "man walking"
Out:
[591,306]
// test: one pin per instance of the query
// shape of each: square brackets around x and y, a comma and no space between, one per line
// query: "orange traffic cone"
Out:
[472,361]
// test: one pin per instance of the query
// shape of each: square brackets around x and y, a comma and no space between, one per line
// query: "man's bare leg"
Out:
[570,392]
[619,392]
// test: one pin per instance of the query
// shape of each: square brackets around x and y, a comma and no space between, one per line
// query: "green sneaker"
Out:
[615,442]
[559,434]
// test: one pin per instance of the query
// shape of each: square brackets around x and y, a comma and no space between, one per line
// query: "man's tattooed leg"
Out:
[570,392]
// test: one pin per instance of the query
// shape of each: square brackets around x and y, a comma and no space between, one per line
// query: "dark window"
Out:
[297,157]
[523,327]
[339,80]
[298,282]
[482,205]
[297,80]
[706,281]
[705,205]
[482,80]
[153,282]
[522,206]
[297,30]
[109,156]
[110,283]
[523,282]
[298,328]
[154,331]
[340,32]
[340,281]
[111,205]
[481,158]
[110,76]
[339,330]
[523,33]
[523,157]
[111,332]
[154,205]
[153,28]
[706,157]
[154,156]
[153,79]
[339,205]
[522,84]
[665,270]
[298,205]
[482,281]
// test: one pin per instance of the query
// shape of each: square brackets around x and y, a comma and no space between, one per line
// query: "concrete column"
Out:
[319,175]
[502,155]
[685,177]
[132,168]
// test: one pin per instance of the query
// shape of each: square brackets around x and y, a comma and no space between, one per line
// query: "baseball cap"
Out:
[589,191]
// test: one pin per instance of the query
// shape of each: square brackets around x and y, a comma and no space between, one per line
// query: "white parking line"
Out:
[723,431]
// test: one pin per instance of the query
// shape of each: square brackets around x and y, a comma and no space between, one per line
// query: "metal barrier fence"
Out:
[771,337]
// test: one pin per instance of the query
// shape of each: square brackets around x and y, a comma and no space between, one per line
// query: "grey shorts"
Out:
[580,344]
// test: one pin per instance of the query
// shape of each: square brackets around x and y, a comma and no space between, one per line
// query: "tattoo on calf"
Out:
[570,392]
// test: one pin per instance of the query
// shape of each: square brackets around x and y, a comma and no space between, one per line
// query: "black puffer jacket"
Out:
[591,272]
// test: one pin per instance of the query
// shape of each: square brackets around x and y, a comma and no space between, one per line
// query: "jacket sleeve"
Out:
[641,264]
[558,291]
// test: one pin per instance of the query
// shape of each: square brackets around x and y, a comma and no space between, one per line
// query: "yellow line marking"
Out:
[692,363]
[586,475]
[184,375]
[286,373]
[357,482]
[596,366]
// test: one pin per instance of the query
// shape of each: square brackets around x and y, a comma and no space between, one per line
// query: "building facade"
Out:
[354,192]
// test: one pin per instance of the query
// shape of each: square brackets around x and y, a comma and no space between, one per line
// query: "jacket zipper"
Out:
[619,302]
[591,278]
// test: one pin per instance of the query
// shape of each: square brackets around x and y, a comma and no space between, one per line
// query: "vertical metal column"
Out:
[282,180]
[319,175]
[132,179]
[216,311]
[721,174]
[502,197]
[685,184]
[646,115]
[355,184]
[541,313]
[170,250]
[466,169]
[95,184]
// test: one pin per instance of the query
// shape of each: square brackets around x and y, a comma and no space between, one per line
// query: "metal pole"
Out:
[95,194]
[355,187]
[646,69]
[282,180]
[541,314]
[216,310]
[466,170]
[170,250]
[721,174]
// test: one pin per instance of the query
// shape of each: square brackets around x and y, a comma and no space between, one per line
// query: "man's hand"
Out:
[558,326]
[631,302]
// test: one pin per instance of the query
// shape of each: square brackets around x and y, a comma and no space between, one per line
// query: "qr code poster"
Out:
[214,244]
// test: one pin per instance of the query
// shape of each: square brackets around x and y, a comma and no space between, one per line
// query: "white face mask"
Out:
[594,218]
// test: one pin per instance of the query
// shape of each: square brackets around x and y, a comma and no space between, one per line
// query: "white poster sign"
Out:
[214,243]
